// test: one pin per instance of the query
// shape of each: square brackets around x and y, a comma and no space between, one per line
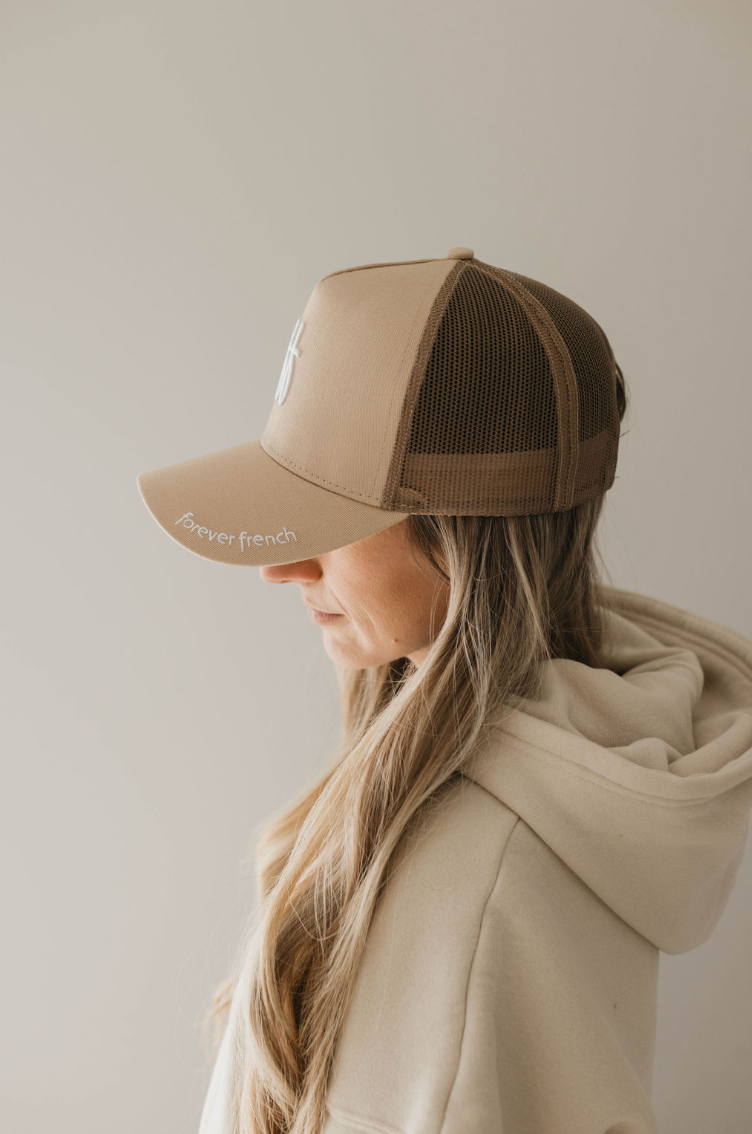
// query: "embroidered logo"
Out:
[291,354]
[188,521]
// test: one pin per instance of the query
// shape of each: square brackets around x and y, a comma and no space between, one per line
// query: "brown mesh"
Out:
[511,407]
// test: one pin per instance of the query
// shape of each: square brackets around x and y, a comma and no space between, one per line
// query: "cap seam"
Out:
[386,264]
[415,381]
[533,308]
[385,494]
[286,462]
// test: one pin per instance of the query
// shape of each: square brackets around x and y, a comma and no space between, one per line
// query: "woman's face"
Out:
[381,590]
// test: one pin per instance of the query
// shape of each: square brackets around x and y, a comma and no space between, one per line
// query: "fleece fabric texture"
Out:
[509,982]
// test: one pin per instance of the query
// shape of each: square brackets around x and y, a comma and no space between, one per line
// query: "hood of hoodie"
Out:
[638,775]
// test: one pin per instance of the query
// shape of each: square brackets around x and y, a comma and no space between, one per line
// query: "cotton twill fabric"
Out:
[509,984]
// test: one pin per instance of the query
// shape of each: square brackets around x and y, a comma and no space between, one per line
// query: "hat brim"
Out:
[240,506]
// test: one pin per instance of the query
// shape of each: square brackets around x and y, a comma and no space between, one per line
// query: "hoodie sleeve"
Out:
[399,1047]
[498,994]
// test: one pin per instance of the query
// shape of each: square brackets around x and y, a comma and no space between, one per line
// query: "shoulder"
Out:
[402,1033]
[493,979]
[448,858]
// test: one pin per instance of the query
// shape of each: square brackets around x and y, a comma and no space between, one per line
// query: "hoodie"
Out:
[509,980]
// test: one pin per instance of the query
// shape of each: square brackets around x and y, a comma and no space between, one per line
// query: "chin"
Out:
[352,659]
[348,660]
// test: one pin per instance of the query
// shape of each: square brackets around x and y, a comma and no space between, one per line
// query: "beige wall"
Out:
[175,179]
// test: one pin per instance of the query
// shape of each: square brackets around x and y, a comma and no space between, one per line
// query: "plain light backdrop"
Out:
[175,179]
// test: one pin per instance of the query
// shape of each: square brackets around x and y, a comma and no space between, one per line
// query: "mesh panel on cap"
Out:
[511,406]
[590,352]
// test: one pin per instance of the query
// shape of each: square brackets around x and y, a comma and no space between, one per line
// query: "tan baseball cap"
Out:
[434,386]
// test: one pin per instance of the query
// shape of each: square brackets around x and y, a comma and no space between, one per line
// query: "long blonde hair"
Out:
[522,589]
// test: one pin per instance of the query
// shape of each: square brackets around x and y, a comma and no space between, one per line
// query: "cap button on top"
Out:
[459,254]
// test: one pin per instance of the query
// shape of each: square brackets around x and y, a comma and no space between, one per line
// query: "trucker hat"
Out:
[444,385]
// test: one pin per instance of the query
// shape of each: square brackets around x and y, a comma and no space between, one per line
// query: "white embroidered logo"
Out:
[292,353]
[188,521]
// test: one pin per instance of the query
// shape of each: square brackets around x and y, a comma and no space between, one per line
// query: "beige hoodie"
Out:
[509,981]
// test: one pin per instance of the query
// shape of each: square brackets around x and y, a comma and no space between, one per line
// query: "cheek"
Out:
[400,617]
[387,600]
[378,610]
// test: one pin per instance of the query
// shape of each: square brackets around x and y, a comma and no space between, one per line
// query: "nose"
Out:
[304,569]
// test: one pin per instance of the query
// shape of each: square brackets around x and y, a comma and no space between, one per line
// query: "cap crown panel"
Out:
[361,332]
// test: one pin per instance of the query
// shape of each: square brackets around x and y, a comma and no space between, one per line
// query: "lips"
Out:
[318,616]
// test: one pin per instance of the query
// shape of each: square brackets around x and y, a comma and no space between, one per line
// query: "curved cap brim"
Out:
[241,506]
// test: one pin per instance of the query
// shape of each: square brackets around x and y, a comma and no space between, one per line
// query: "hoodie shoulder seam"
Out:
[471,966]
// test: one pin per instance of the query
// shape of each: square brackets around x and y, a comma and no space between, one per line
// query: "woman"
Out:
[543,781]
